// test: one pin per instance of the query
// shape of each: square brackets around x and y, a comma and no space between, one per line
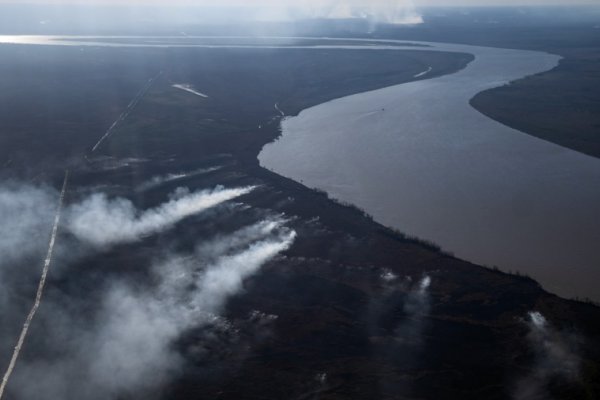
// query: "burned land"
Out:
[341,307]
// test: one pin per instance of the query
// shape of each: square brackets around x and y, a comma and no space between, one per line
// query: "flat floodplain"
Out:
[419,158]
[352,309]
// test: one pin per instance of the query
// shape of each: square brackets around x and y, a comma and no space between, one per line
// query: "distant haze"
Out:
[93,16]
[280,3]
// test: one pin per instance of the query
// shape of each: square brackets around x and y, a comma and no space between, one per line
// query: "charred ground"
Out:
[339,326]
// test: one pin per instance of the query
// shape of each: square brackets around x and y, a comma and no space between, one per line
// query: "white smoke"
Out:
[162,179]
[376,11]
[223,244]
[415,300]
[391,12]
[103,222]
[27,214]
[400,335]
[417,306]
[128,349]
[555,357]
[388,276]
[225,278]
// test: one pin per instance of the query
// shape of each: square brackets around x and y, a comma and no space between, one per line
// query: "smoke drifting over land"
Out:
[129,334]
[400,315]
[90,16]
[27,214]
[132,337]
[555,357]
[40,289]
[414,300]
[417,307]
[162,179]
[101,222]
[383,11]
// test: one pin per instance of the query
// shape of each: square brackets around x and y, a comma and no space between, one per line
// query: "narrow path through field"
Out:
[130,107]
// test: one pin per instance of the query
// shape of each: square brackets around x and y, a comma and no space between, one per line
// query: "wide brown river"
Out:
[419,158]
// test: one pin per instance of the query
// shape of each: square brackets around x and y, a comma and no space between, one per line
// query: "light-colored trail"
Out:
[189,89]
[279,110]
[40,290]
[420,74]
[130,107]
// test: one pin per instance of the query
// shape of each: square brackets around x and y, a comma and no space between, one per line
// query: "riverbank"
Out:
[333,315]
[420,159]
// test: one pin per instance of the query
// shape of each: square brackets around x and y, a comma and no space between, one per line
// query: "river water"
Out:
[419,158]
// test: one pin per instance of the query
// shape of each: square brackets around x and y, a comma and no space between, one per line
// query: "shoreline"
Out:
[358,189]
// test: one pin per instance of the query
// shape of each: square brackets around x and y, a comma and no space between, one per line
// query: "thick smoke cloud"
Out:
[102,222]
[387,11]
[128,348]
[555,357]
[384,11]
[124,344]
[30,221]
[27,213]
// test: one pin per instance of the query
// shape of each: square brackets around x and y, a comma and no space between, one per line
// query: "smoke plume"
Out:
[376,11]
[160,180]
[101,222]
[128,347]
[27,214]
[415,302]
[417,307]
[555,357]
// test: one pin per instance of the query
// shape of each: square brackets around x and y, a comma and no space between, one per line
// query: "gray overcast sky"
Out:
[385,11]
[296,3]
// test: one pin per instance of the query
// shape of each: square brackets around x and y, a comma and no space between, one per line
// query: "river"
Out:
[420,159]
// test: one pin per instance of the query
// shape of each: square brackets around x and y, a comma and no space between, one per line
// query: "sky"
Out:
[296,3]
[58,15]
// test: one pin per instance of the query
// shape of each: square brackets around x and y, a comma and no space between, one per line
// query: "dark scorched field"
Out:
[350,310]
